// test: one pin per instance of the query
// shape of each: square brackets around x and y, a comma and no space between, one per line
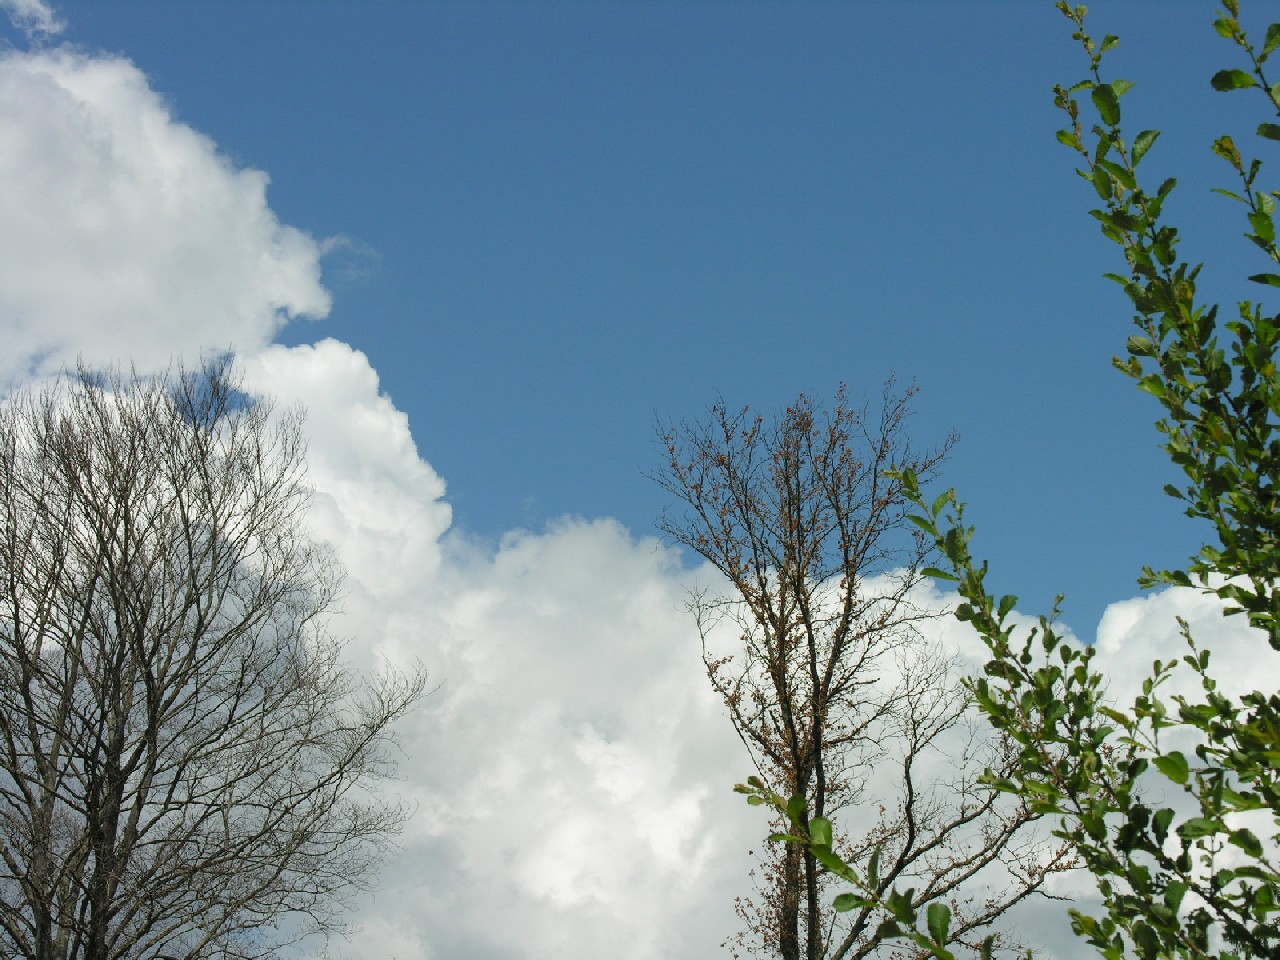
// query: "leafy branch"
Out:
[1194,882]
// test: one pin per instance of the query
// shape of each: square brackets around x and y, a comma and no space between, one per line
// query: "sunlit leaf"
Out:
[1108,103]
[1174,766]
[1142,143]
[938,574]
[1272,41]
[1232,80]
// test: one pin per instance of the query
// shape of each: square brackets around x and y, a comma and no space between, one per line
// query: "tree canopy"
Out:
[185,759]
[1193,878]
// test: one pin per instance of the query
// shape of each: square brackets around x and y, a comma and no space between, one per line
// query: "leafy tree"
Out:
[185,760]
[830,678]
[1189,880]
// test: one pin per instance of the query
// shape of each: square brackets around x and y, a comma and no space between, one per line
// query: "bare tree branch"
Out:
[831,678]
[185,760]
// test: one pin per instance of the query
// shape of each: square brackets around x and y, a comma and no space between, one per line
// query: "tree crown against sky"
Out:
[187,766]
[550,233]
[1172,802]
[816,643]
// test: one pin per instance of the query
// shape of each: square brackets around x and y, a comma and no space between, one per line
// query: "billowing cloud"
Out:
[1136,632]
[127,235]
[376,500]
[33,17]
[572,772]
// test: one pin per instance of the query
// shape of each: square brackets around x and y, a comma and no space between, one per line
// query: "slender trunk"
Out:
[789,934]
[812,926]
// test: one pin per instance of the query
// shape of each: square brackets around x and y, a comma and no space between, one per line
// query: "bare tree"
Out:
[186,763]
[832,687]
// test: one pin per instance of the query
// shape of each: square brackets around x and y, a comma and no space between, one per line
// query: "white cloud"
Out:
[1134,633]
[376,499]
[33,17]
[127,235]
[572,773]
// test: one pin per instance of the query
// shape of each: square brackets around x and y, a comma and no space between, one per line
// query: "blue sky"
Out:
[487,245]
[567,218]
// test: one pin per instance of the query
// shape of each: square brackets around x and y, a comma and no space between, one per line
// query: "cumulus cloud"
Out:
[127,235]
[376,500]
[570,768]
[1134,633]
[572,773]
[34,17]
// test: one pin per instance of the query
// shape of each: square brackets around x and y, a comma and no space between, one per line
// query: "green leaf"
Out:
[1145,939]
[1108,103]
[1247,841]
[1153,385]
[1263,227]
[1102,183]
[899,904]
[939,918]
[795,807]
[785,838]
[1270,279]
[937,574]
[924,523]
[1225,147]
[888,930]
[1198,827]
[1174,766]
[1142,143]
[1109,42]
[1269,130]
[1141,346]
[820,831]
[1232,80]
[1119,174]
[845,902]
[1272,41]
[831,860]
